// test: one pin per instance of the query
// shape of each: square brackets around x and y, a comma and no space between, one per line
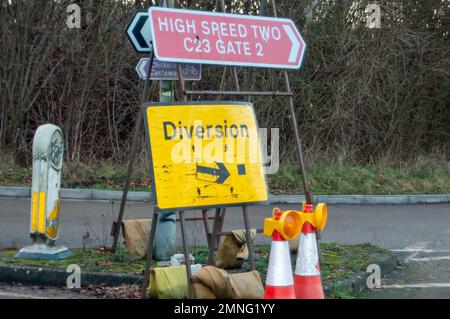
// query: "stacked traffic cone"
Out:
[308,284]
[279,283]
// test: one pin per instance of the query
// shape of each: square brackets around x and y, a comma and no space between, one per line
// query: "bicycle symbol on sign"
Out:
[190,69]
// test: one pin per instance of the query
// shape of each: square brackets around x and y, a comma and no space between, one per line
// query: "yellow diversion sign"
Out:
[205,154]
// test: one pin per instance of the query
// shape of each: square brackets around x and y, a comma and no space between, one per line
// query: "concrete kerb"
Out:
[58,277]
[358,282]
[364,199]
[16,192]
[109,195]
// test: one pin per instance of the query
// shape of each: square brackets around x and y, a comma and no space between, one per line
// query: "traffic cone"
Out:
[279,282]
[308,284]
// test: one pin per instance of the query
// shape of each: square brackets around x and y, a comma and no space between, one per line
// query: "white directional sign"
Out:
[168,70]
[139,33]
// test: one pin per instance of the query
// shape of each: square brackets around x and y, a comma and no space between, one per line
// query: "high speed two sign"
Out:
[225,39]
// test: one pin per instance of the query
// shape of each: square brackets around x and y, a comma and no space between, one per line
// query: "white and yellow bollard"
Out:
[48,148]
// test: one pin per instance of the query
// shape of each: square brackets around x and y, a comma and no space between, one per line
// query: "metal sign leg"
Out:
[235,74]
[223,211]
[248,236]
[308,194]
[187,261]
[206,225]
[133,154]
[148,261]
[212,242]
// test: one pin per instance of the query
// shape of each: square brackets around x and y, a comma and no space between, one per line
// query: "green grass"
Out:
[421,177]
[337,262]
[89,260]
[379,179]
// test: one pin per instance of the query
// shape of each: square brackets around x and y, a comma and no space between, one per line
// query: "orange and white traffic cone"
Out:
[308,284]
[279,282]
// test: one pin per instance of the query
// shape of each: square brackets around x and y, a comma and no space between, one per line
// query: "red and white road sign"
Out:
[225,39]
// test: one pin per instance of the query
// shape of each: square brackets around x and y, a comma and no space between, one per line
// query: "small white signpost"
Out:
[48,147]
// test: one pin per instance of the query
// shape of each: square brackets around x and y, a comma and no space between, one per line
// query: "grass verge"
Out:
[421,177]
[338,262]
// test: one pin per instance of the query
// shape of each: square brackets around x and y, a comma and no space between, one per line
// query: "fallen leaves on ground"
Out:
[116,292]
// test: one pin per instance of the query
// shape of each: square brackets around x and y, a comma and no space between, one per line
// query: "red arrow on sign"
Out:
[226,39]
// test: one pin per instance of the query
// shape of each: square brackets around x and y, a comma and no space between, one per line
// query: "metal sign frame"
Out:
[174,104]
[213,237]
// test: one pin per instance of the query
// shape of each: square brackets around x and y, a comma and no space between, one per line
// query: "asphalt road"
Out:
[424,274]
[420,234]
[8,291]
[390,226]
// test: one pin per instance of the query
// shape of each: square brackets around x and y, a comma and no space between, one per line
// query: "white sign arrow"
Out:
[295,43]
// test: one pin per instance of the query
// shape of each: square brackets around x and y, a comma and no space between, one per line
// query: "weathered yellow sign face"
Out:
[205,155]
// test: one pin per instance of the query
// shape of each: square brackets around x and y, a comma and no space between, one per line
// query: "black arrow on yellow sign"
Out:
[221,172]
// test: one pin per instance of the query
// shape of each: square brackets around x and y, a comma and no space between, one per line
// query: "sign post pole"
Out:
[149,255]
[166,232]
[236,78]
[308,194]
[137,130]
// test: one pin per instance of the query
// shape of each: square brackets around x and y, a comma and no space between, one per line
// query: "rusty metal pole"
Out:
[235,75]
[181,87]
[248,84]
[187,261]
[308,195]
[133,153]
[166,232]
[149,255]
[248,237]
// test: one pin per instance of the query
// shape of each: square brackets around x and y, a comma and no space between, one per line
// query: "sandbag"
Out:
[247,285]
[242,240]
[231,286]
[217,280]
[136,234]
[203,292]
[169,283]
[233,250]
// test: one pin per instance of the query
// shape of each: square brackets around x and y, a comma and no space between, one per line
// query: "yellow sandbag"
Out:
[233,250]
[169,283]
[136,234]
[247,285]
[203,292]
[217,280]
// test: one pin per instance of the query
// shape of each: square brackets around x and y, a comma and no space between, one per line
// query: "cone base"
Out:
[279,292]
[308,287]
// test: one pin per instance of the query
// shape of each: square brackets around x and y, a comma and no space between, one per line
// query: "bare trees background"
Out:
[363,94]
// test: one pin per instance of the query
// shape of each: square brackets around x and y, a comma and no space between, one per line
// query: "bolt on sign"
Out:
[225,39]
[204,155]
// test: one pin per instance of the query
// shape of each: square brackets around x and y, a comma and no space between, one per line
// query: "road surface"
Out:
[390,226]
